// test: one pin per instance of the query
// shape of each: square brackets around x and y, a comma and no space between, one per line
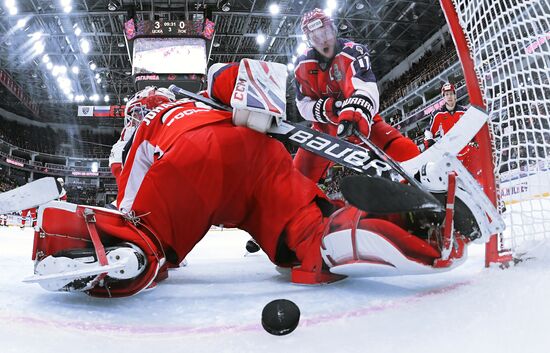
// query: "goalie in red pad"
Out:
[190,167]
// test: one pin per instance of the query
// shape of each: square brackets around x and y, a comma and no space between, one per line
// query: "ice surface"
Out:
[214,305]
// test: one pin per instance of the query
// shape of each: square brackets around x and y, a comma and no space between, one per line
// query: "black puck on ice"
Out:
[280,317]
[252,246]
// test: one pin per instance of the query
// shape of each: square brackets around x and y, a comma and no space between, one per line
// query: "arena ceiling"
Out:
[57,28]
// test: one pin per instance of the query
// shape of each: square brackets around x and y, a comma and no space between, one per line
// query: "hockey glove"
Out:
[325,110]
[356,114]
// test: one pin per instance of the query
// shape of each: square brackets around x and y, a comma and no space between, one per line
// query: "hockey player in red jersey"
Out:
[335,83]
[190,167]
[63,193]
[445,118]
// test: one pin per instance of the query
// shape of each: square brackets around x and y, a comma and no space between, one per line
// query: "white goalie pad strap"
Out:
[260,87]
[371,255]
[259,121]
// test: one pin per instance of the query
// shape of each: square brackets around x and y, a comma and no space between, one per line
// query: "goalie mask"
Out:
[143,101]
[320,32]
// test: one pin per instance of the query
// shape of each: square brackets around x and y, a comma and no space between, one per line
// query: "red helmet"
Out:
[143,101]
[447,87]
[315,19]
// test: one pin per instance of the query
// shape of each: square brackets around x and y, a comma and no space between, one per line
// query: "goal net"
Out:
[504,48]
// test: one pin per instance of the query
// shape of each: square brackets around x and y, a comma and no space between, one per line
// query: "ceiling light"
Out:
[98,80]
[125,99]
[67,9]
[216,45]
[225,6]
[75,70]
[274,9]
[332,4]
[106,98]
[49,66]
[77,31]
[93,66]
[260,39]
[85,46]
[112,6]
[290,66]
[343,26]
[45,59]
[21,23]
[13,10]
[36,35]
[38,47]
[359,6]
[121,44]
[328,12]
[97,75]
[94,97]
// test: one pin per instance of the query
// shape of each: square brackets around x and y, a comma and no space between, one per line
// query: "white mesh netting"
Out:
[510,44]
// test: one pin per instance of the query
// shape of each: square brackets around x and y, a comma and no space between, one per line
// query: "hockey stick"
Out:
[29,195]
[347,154]
[332,148]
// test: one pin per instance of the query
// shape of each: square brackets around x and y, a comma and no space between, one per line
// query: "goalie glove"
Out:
[325,110]
[357,112]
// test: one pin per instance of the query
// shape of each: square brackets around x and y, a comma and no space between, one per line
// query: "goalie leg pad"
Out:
[64,227]
[371,247]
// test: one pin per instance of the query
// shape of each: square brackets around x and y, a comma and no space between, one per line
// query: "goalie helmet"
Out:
[143,101]
[320,32]
[61,181]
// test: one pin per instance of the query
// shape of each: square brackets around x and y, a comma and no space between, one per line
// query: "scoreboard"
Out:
[169,52]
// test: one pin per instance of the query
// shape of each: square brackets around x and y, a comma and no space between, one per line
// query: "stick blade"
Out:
[382,196]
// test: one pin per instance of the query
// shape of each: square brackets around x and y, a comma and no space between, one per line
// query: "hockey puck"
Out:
[280,317]
[252,246]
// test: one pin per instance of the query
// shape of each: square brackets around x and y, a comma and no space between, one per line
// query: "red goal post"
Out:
[504,49]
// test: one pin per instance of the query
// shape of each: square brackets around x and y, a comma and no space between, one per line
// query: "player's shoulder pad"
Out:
[353,49]
[460,108]
[441,110]
[308,55]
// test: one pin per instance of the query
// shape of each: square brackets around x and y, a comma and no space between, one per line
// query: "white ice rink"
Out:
[215,303]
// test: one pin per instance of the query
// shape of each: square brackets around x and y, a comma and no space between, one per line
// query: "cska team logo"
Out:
[336,74]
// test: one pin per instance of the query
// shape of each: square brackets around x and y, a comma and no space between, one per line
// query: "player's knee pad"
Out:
[355,245]
[64,228]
